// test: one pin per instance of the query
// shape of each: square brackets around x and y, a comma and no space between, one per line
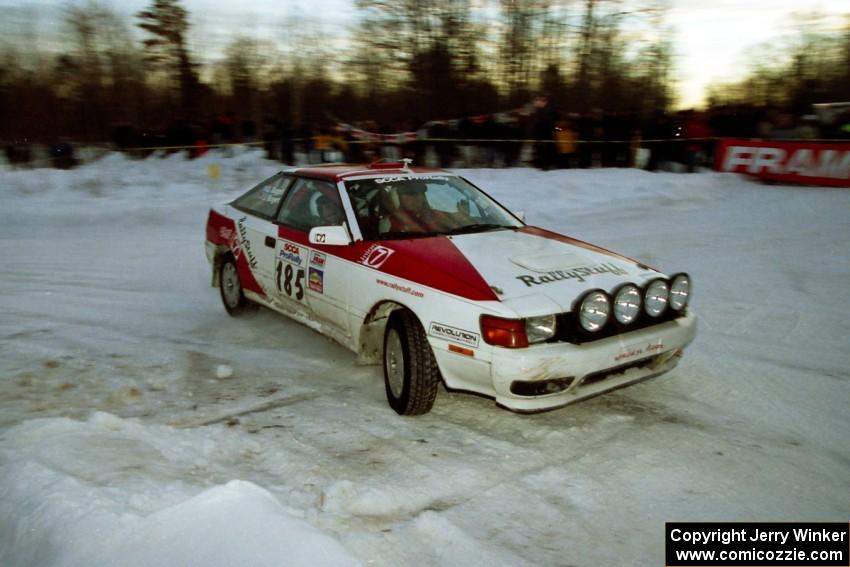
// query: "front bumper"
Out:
[521,378]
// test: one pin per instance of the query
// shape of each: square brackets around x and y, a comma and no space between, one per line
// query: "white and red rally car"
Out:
[420,269]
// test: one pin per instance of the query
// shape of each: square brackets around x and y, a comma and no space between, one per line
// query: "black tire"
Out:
[230,287]
[411,375]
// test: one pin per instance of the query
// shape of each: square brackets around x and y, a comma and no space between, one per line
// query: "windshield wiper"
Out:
[483,227]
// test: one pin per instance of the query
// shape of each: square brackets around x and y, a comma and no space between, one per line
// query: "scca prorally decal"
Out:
[316,280]
[453,334]
[375,256]
[291,252]
[577,274]
[245,243]
[317,259]
[397,178]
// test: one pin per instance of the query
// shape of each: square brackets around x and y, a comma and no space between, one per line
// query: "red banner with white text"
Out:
[808,163]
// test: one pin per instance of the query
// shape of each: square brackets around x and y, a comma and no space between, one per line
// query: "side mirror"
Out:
[520,215]
[330,235]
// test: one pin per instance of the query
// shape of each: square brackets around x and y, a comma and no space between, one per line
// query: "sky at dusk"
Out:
[714,39]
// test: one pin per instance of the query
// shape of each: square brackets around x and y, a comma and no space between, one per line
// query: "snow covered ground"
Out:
[140,425]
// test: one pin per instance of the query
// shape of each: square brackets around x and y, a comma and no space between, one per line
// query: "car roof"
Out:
[337,172]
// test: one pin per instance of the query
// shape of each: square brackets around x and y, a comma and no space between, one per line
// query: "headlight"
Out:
[655,297]
[680,291]
[594,311]
[627,302]
[539,329]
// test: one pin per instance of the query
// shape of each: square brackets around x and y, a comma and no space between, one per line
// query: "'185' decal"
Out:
[286,274]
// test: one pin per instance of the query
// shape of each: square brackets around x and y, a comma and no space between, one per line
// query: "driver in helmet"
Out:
[414,213]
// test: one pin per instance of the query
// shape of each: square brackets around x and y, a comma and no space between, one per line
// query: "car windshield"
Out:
[421,205]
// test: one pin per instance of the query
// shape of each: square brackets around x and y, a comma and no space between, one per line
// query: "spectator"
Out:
[658,134]
[18,153]
[695,130]
[841,127]
[542,131]
[327,146]
[565,135]
[784,127]
[249,131]
[808,129]
[591,134]
[271,138]
[62,155]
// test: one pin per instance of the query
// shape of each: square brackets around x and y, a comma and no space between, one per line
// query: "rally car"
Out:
[420,270]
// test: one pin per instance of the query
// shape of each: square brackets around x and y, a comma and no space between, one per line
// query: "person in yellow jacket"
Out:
[329,147]
[565,143]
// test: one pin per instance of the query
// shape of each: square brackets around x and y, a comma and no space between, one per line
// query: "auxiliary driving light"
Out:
[656,297]
[594,310]
[680,291]
[627,304]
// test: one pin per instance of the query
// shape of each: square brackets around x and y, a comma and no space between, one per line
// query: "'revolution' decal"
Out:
[576,274]
[453,334]
[375,256]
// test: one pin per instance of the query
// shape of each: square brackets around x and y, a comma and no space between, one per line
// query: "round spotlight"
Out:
[680,292]
[627,303]
[594,311]
[656,297]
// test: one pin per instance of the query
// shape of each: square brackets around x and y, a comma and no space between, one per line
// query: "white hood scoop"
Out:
[549,262]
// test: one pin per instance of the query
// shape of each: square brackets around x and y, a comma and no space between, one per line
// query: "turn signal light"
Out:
[509,333]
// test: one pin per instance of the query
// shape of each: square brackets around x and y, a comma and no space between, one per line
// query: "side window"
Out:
[264,199]
[311,203]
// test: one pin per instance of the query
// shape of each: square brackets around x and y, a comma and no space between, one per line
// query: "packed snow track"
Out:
[142,425]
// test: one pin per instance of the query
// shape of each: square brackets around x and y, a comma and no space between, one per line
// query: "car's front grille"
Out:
[604,374]
[569,330]
[540,387]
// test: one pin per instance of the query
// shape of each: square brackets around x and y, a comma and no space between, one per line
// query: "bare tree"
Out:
[167,24]
[100,76]
[430,47]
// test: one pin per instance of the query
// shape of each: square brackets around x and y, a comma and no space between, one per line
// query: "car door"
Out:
[255,227]
[310,276]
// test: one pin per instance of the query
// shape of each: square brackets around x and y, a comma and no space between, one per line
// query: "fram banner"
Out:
[810,163]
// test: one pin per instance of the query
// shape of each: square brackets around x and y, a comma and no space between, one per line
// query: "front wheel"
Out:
[411,375]
[230,287]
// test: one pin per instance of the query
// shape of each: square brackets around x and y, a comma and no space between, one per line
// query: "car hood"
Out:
[527,262]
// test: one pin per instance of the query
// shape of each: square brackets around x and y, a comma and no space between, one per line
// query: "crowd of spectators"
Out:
[546,138]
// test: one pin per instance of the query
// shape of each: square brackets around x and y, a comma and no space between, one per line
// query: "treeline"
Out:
[401,64]
[811,65]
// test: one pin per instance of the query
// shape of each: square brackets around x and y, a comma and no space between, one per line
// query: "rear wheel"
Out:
[230,287]
[411,375]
